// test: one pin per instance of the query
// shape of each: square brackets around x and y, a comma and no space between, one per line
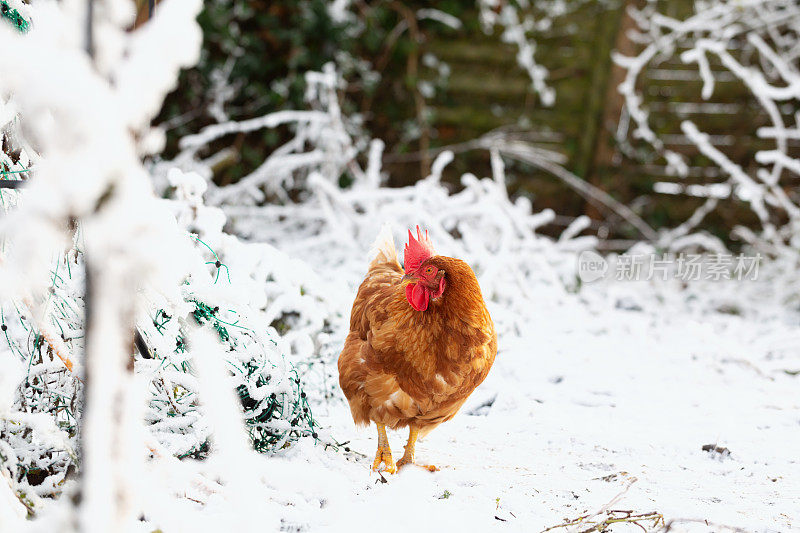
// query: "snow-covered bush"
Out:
[87,262]
[89,185]
[755,43]
[237,288]
[519,26]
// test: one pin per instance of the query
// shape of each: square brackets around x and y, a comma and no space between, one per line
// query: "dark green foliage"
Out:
[264,48]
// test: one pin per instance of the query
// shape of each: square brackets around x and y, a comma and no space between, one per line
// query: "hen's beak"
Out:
[409,277]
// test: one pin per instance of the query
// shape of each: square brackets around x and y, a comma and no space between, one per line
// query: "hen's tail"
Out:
[383,251]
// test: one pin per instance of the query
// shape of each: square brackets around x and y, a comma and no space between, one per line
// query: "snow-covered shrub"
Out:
[229,289]
[88,261]
[520,22]
[331,135]
[50,351]
[89,180]
[755,44]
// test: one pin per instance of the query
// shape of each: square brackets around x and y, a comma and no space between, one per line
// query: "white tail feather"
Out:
[383,250]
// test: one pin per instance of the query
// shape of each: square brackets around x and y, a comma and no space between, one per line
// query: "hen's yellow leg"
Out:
[408,457]
[384,453]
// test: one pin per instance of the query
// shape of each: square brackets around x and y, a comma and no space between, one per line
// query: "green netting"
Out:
[14,17]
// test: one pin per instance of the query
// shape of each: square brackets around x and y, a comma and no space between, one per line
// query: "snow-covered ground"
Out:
[595,385]
[601,398]
[587,399]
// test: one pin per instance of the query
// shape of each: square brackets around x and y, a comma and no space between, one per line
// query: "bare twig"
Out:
[57,346]
[614,517]
[605,516]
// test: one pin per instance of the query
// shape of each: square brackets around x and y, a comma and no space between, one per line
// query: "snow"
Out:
[594,385]
[765,64]
[587,397]
[601,387]
[601,398]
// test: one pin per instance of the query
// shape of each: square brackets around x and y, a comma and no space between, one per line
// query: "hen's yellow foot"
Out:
[408,457]
[410,461]
[384,457]
[384,453]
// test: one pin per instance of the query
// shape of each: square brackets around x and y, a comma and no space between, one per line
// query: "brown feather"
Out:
[402,367]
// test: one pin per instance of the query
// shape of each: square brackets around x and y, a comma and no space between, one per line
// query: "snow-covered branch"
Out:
[756,43]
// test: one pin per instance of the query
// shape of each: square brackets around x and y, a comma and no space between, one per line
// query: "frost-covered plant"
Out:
[106,255]
[88,128]
[515,29]
[229,289]
[757,43]
[110,84]
[333,228]
[323,141]
[39,453]
[44,331]
[520,22]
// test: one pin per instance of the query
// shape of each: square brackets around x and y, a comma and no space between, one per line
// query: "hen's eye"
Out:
[429,270]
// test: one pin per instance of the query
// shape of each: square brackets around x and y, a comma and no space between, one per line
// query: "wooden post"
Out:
[601,158]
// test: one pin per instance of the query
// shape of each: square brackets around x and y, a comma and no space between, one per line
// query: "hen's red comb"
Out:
[417,250]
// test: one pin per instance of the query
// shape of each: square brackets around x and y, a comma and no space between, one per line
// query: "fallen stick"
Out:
[595,522]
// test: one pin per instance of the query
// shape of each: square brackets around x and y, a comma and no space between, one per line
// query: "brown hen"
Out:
[420,342]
